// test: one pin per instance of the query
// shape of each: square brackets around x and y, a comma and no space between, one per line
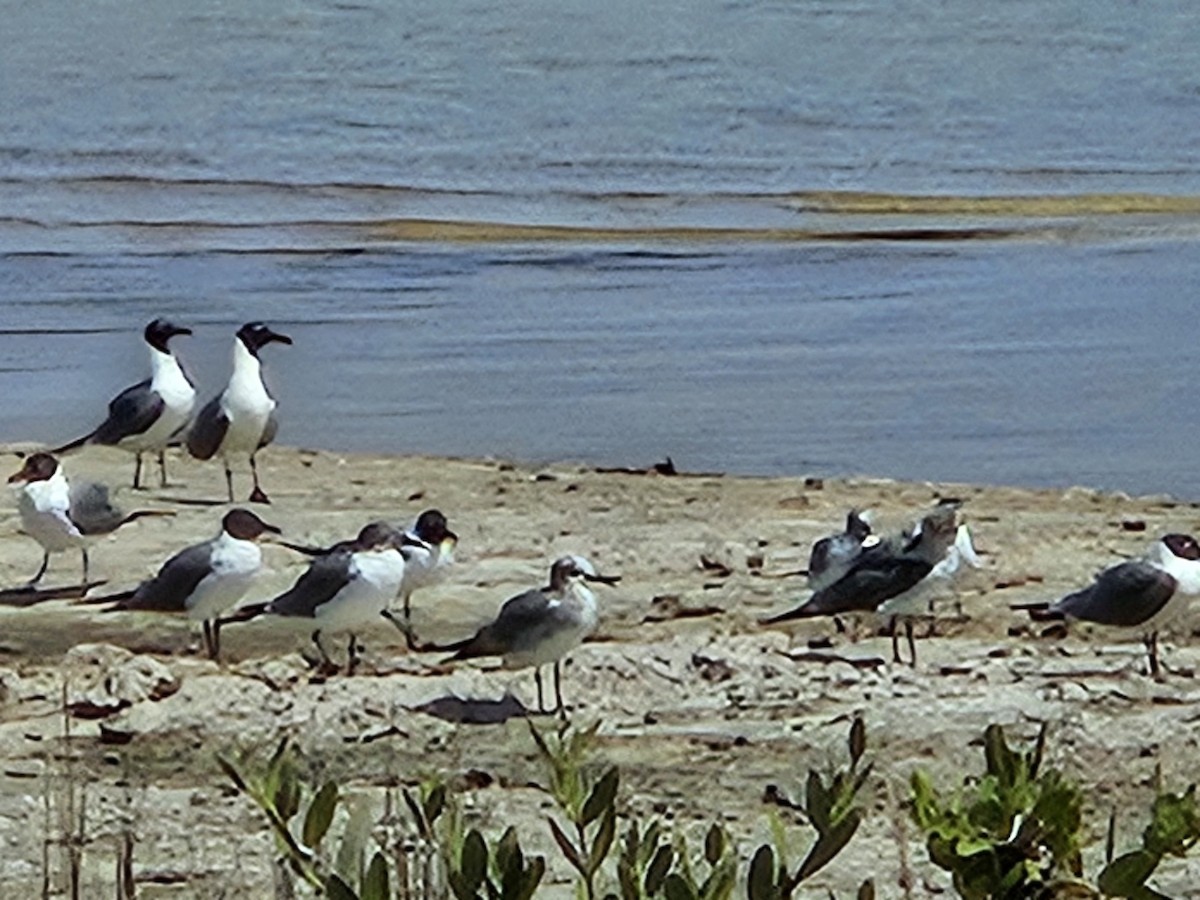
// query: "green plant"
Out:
[833,809]
[278,792]
[1014,833]
[651,866]
[1173,830]
[586,800]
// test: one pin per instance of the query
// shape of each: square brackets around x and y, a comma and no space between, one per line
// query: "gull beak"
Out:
[610,580]
[276,336]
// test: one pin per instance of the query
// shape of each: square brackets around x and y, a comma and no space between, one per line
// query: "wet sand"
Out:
[702,707]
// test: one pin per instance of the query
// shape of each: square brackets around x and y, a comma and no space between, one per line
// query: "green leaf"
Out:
[434,803]
[858,740]
[533,877]
[320,815]
[375,884]
[714,843]
[1127,872]
[287,794]
[1175,823]
[677,888]
[603,841]
[336,889]
[510,861]
[568,849]
[760,885]
[232,773]
[721,880]
[818,802]
[829,845]
[603,795]
[1001,761]
[659,867]
[474,860]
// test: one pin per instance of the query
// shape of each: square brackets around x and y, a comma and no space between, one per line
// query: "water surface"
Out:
[917,239]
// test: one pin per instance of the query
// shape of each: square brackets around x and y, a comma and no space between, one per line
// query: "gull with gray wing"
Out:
[241,420]
[1141,596]
[346,589]
[204,580]
[62,515]
[146,417]
[542,625]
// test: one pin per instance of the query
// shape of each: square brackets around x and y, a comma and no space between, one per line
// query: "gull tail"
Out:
[1039,611]
[301,548]
[118,600]
[803,611]
[244,613]
[73,445]
[143,513]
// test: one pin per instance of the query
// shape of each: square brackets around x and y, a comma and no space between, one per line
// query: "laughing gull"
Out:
[241,421]
[61,515]
[918,601]
[542,625]
[427,548]
[345,589]
[427,554]
[204,580]
[832,556]
[1140,595]
[884,571]
[144,418]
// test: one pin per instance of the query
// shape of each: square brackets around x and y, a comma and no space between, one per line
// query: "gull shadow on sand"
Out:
[466,711]
[28,595]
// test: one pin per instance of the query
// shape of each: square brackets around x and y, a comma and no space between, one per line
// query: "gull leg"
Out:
[41,569]
[912,643]
[83,550]
[559,706]
[137,471]
[1151,642]
[257,495]
[895,640]
[537,677]
[352,655]
[162,468]
[206,630]
[216,639]
[326,662]
[405,627]
[229,480]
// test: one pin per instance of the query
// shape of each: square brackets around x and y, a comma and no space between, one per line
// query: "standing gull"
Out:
[832,556]
[428,550]
[1141,595]
[145,417]
[241,421]
[204,580]
[61,515]
[343,590]
[427,554]
[542,625]
[884,571]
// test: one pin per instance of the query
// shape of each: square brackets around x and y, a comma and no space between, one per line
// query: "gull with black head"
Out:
[343,590]
[204,580]
[1140,596]
[65,515]
[241,420]
[884,571]
[146,417]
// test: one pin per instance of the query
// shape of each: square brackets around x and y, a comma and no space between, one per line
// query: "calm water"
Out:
[719,292]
